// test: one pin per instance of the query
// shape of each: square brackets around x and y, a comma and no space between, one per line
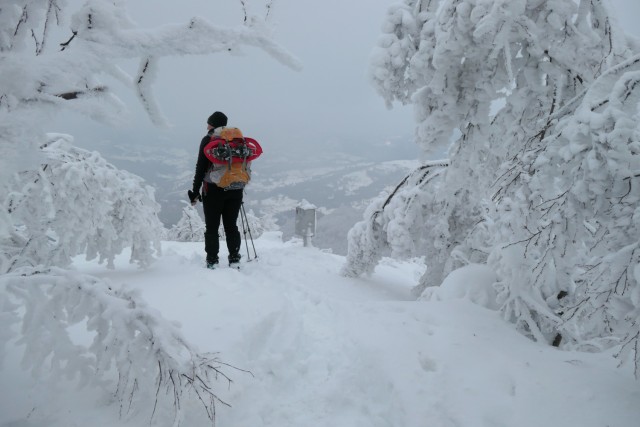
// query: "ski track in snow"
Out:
[324,350]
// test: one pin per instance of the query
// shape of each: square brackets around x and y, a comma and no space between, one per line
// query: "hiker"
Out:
[217,202]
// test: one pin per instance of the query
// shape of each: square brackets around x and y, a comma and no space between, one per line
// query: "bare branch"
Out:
[268,6]
[66,44]
[52,12]
[78,93]
[23,19]
[38,45]
[244,10]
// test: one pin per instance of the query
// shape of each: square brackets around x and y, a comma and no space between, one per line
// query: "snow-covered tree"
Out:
[536,102]
[76,203]
[190,227]
[573,221]
[57,55]
[134,351]
[394,224]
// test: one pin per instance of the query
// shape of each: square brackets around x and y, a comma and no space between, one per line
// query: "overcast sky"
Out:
[329,100]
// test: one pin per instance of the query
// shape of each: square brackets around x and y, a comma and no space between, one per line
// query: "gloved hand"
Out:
[194,197]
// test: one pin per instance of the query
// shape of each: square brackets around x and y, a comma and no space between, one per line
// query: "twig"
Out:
[78,93]
[244,10]
[66,44]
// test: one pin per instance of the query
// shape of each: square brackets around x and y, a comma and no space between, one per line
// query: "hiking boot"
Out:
[212,264]
[234,260]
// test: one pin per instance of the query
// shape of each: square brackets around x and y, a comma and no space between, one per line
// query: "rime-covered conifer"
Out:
[73,203]
[190,227]
[536,104]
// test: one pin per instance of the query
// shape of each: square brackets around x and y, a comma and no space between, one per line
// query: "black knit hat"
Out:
[217,119]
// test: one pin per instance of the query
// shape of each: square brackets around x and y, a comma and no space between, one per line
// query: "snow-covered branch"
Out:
[391,221]
[141,357]
[197,37]
[71,73]
[73,202]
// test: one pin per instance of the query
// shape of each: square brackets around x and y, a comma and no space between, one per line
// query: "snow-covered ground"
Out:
[318,349]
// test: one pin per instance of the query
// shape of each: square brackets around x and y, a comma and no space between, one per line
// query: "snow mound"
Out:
[473,282]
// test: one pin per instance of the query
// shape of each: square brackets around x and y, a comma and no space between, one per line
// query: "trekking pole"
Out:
[244,231]
[255,254]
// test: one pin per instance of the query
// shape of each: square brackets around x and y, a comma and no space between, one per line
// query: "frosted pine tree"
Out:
[517,90]
[55,56]
[575,236]
[562,214]
[396,224]
[75,203]
[190,227]
[441,57]
[143,360]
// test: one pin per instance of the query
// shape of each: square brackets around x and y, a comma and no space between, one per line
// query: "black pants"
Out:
[218,203]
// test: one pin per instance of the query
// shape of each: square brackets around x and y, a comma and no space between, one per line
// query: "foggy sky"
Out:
[330,100]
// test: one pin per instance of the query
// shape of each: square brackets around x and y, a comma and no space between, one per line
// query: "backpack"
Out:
[235,152]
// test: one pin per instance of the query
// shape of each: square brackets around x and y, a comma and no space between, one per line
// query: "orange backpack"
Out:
[235,151]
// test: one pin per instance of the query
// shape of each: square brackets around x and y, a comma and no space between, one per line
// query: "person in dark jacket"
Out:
[217,203]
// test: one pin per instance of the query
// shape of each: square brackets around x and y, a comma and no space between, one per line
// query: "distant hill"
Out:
[340,178]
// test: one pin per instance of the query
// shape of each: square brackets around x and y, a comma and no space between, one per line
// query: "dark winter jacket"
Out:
[203,164]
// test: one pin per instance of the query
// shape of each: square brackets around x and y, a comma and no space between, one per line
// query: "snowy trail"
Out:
[330,351]
[324,350]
